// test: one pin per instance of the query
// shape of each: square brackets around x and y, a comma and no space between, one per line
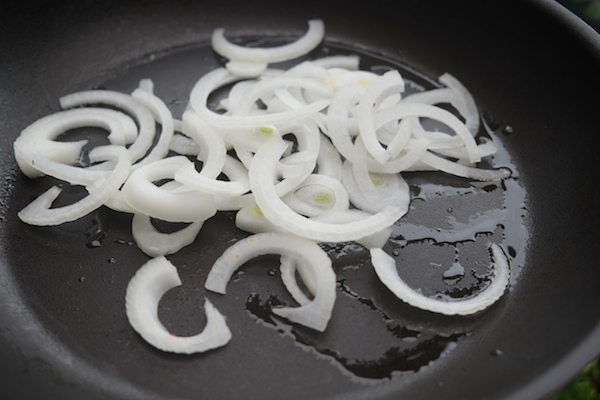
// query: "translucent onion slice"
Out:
[144,196]
[251,219]
[384,86]
[155,243]
[467,108]
[261,182]
[29,155]
[329,162]
[316,195]
[445,165]
[236,172]
[403,110]
[212,150]
[385,267]
[241,117]
[389,190]
[377,239]
[163,116]
[263,56]
[315,314]
[38,212]
[143,116]
[144,291]
[41,134]
[288,268]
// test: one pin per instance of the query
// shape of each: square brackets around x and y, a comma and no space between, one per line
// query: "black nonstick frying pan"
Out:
[533,69]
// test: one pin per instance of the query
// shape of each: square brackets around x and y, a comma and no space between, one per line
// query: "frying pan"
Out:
[532,68]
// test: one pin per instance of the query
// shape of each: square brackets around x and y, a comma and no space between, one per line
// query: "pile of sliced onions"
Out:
[311,154]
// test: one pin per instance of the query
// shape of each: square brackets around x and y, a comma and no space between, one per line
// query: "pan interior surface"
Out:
[68,282]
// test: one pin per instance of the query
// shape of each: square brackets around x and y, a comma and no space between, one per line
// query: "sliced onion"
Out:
[388,190]
[163,116]
[145,197]
[155,243]
[316,195]
[145,120]
[38,212]
[377,239]
[144,291]
[41,134]
[282,216]
[288,268]
[314,36]
[251,219]
[315,314]
[442,164]
[385,267]
[384,86]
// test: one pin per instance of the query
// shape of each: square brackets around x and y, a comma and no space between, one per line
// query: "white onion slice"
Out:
[329,161]
[144,291]
[442,164]
[288,267]
[30,156]
[387,190]
[212,150]
[145,120]
[385,267]
[467,108]
[377,239]
[281,215]
[155,243]
[144,196]
[40,135]
[316,195]
[237,185]
[38,212]
[163,116]
[257,55]
[384,86]
[315,314]
[251,219]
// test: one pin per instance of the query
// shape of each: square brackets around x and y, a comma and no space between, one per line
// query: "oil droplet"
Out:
[93,244]
[238,276]
[497,353]
[272,272]
[507,130]
[395,253]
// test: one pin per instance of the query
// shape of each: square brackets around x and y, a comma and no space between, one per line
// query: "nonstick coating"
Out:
[530,65]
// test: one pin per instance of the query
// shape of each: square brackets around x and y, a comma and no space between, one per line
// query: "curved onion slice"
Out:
[282,216]
[163,116]
[385,267]
[251,219]
[384,86]
[145,119]
[388,190]
[442,164]
[144,292]
[38,212]
[316,195]
[75,175]
[377,239]
[260,57]
[155,243]
[40,134]
[315,314]
[288,267]
[144,196]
